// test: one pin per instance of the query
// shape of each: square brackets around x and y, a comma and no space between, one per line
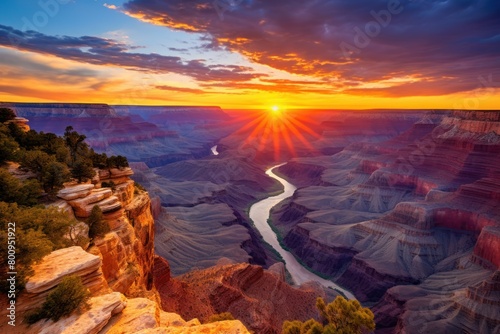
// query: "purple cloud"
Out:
[443,43]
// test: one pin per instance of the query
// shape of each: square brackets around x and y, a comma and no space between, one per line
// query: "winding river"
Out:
[259,213]
[214,150]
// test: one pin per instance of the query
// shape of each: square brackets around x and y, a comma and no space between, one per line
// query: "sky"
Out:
[246,54]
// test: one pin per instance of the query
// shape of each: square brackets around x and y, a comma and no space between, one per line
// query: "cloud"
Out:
[349,41]
[180,89]
[17,66]
[179,49]
[109,52]
[110,6]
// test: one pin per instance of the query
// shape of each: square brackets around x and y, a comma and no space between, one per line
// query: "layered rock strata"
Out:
[387,220]
[261,299]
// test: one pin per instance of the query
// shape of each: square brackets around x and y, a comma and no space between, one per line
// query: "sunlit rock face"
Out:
[259,298]
[127,251]
[107,311]
[394,220]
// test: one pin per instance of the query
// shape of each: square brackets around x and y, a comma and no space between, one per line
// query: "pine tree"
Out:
[97,226]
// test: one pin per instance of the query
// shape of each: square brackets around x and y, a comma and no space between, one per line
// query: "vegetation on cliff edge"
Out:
[70,295]
[341,316]
[46,161]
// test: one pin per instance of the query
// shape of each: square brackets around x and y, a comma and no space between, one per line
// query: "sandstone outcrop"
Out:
[127,252]
[69,193]
[102,308]
[139,314]
[260,299]
[47,274]
[221,327]
[21,122]
[107,312]
[60,263]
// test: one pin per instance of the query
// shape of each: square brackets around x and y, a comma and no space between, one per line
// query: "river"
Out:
[259,214]
[214,150]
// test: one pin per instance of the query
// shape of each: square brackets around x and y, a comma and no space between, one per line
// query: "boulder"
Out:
[70,193]
[53,267]
[108,204]
[140,313]
[220,327]
[101,309]
[63,206]
[168,319]
[95,195]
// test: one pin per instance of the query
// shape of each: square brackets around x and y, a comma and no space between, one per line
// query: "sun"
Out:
[279,131]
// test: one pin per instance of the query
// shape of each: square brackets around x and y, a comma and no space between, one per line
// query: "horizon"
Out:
[253,55]
[269,108]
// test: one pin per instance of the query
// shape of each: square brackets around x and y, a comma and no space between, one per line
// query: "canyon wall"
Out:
[155,135]
[388,219]
[260,298]
[117,269]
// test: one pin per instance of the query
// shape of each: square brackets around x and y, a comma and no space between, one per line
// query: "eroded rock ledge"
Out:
[117,269]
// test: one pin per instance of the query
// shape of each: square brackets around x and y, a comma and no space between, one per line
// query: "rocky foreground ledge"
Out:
[110,311]
[117,269]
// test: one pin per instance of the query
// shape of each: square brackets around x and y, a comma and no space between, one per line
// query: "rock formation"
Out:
[117,269]
[389,220]
[261,299]
[21,122]
[108,311]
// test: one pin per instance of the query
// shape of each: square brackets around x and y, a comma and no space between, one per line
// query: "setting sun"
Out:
[275,108]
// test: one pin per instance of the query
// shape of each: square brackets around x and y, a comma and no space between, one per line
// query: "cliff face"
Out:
[109,311]
[117,269]
[127,251]
[71,110]
[260,298]
[389,219]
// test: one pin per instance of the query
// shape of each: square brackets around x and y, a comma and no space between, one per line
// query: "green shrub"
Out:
[39,231]
[67,297]
[24,193]
[138,188]
[340,316]
[109,184]
[97,226]
[6,114]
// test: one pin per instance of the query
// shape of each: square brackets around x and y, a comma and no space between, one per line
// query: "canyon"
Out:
[399,207]
[410,224]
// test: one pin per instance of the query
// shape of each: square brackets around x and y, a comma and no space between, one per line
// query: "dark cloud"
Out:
[101,51]
[181,89]
[178,49]
[447,44]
